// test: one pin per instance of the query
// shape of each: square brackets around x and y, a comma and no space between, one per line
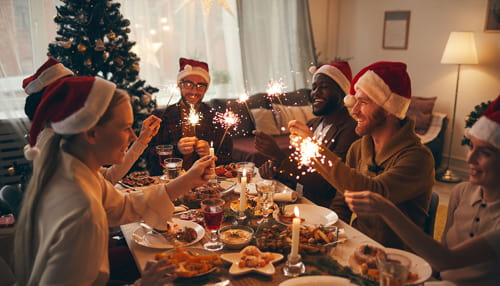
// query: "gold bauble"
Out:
[11,171]
[88,63]
[81,48]
[136,67]
[118,61]
[111,35]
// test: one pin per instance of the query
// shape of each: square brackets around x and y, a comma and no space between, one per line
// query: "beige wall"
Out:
[359,36]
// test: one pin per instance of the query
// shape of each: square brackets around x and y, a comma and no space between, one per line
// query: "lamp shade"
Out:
[460,49]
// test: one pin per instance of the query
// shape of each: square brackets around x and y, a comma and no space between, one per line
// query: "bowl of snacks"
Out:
[236,236]
[193,198]
[313,240]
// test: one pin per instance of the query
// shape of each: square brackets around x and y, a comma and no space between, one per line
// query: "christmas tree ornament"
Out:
[65,44]
[88,63]
[118,61]
[126,22]
[99,45]
[105,56]
[81,47]
[136,67]
[11,171]
[146,98]
[111,35]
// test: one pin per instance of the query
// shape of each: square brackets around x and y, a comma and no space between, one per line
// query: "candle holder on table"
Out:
[294,266]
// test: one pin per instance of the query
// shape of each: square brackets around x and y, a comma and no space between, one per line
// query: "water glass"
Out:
[248,167]
[265,193]
[173,167]
[164,152]
[393,269]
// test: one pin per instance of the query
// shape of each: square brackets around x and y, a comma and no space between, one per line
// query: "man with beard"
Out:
[190,142]
[333,127]
[389,158]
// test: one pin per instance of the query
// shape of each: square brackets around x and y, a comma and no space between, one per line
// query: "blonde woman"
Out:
[62,234]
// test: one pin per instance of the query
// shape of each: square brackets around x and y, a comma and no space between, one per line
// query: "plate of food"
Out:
[251,259]
[138,179]
[193,198]
[183,232]
[191,262]
[234,205]
[363,261]
[317,280]
[311,215]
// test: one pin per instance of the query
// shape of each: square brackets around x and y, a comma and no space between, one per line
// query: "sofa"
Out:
[271,115]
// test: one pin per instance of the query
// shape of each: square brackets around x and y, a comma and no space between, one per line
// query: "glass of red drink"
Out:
[164,152]
[213,213]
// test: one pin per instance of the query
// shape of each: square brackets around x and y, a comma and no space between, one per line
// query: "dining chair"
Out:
[431,217]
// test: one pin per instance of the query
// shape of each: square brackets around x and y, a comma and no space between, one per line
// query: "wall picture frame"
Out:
[396,28]
[492,22]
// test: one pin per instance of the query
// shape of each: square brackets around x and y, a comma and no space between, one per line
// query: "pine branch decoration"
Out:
[473,117]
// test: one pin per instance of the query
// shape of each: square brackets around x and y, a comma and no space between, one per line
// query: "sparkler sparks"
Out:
[193,118]
[275,89]
[228,120]
[243,99]
[306,154]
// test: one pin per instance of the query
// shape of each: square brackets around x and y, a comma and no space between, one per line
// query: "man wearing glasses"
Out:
[191,138]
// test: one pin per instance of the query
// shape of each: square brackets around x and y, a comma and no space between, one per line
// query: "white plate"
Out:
[317,280]
[145,238]
[418,265]
[235,269]
[312,214]
[227,185]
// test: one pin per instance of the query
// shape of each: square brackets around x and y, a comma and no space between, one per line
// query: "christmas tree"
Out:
[92,40]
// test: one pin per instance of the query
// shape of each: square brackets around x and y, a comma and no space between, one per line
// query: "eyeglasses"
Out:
[200,86]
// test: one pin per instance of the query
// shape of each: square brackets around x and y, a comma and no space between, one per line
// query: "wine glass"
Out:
[172,167]
[164,152]
[265,192]
[213,212]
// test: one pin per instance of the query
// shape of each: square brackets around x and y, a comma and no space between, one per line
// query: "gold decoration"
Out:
[11,171]
[65,44]
[105,55]
[118,61]
[111,35]
[81,47]
[99,45]
[136,67]
[88,63]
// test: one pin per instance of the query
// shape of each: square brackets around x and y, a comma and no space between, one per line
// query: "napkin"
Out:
[285,197]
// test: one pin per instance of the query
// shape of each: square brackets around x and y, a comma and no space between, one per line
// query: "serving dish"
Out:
[236,236]
[149,239]
[310,214]
[236,258]
[191,262]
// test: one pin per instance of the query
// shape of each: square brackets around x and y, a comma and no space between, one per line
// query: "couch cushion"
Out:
[284,114]
[420,110]
[264,121]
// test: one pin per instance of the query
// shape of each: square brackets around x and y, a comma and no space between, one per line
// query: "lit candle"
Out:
[212,151]
[243,190]
[295,234]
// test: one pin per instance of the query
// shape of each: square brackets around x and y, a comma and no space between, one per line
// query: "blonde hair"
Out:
[44,170]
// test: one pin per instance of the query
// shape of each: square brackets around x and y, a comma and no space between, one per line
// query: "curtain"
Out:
[276,43]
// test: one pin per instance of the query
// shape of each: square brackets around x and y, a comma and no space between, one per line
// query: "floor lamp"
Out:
[460,49]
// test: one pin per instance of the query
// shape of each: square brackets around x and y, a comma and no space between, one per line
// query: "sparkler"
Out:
[193,118]
[243,99]
[275,89]
[228,119]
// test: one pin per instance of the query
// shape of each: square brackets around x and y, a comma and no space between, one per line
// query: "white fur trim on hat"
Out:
[337,75]
[95,105]
[375,87]
[47,77]
[485,129]
[190,70]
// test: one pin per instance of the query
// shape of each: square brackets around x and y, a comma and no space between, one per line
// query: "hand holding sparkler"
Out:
[299,129]
[202,148]
[186,145]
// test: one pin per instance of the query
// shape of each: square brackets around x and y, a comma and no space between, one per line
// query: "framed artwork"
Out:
[396,27]
[492,16]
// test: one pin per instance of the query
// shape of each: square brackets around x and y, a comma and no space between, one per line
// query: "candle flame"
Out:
[244,173]
[296,211]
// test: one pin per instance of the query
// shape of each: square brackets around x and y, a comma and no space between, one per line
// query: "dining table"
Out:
[342,252]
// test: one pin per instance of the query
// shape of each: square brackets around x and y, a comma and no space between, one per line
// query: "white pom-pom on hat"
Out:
[349,100]
[188,68]
[313,69]
[30,153]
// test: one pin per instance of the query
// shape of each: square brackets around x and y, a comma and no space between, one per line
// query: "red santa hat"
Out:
[190,67]
[49,72]
[487,128]
[71,105]
[387,84]
[340,72]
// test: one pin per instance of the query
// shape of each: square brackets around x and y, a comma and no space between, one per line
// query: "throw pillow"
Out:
[285,113]
[264,121]
[420,110]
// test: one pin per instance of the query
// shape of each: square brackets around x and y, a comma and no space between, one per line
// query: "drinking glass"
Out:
[172,168]
[393,269]
[213,212]
[249,168]
[164,152]
[265,192]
